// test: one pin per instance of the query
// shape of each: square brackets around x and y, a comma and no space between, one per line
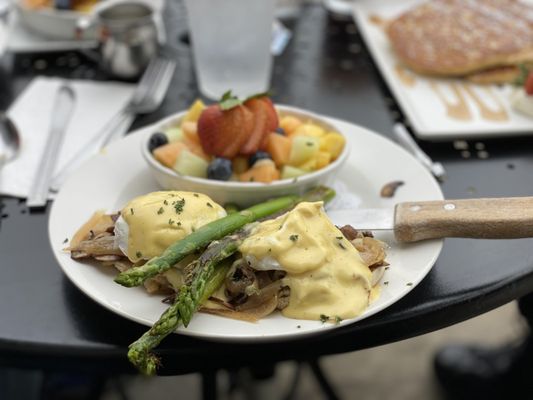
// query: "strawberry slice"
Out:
[222,133]
[528,85]
[265,121]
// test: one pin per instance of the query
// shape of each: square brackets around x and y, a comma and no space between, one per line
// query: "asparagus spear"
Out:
[139,352]
[213,231]
[201,281]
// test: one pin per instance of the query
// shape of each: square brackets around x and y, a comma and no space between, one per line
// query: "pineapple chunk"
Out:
[310,129]
[289,124]
[323,158]
[193,114]
[190,164]
[333,143]
[303,148]
[288,172]
[309,165]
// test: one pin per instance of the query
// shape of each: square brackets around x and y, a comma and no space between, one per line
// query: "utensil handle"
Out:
[115,128]
[490,218]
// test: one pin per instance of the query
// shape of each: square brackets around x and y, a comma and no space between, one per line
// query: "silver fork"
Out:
[146,98]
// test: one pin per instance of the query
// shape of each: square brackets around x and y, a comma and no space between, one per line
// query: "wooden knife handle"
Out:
[492,218]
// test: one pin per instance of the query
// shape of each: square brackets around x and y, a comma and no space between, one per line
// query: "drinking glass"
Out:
[231,45]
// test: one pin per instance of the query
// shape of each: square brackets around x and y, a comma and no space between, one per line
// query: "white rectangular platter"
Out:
[437,109]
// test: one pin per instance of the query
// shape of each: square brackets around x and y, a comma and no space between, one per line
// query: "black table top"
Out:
[46,321]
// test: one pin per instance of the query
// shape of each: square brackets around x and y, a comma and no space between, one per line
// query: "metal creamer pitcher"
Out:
[127,36]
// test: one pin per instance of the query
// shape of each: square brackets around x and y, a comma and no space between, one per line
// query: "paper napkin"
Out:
[96,103]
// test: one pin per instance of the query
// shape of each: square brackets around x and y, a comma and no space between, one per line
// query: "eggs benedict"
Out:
[149,224]
[324,271]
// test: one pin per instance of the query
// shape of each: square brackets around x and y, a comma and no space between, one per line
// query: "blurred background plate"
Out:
[488,107]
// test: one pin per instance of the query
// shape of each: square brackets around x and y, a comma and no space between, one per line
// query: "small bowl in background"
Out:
[245,193]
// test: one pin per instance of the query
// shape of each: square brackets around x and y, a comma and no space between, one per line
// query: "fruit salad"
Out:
[246,141]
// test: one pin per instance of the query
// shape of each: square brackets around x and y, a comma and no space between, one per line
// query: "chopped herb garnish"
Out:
[179,223]
[160,211]
[324,318]
[341,246]
[386,282]
[195,195]
[209,204]
[386,268]
[170,221]
[294,238]
[131,211]
[338,319]
[409,283]
[165,202]
[178,206]
[309,144]
[139,254]
[269,250]
[339,237]
[65,241]
[298,326]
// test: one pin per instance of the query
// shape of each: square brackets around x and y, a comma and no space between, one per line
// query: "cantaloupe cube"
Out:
[333,143]
[190,130]
[168,153]
[279,147]
[323,158]
[194,111]
[289,124]
[263,171]
[309,129]
[303,148]
[190,164]
[196,148]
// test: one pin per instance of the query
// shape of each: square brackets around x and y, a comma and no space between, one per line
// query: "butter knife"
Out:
[487,218]
[61,114]
[405,140]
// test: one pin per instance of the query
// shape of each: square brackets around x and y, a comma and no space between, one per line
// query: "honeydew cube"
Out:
[288,172]
[303,148]
[333,143]
[190,164]
[174,135]
[194,111]
[309,129]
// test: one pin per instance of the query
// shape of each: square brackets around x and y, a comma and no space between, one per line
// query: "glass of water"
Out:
[231,45]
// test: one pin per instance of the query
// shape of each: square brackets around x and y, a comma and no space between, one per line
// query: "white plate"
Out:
[111,178]
[421,104]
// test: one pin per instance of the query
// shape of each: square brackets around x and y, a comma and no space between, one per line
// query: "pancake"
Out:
[463,37]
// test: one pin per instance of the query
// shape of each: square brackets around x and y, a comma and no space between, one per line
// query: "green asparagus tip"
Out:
[146,362]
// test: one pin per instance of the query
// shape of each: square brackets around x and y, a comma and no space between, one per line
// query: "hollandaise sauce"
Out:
[325,273]
[158,219]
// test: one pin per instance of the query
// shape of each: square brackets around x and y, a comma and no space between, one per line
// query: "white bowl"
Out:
[53,24]
[245,193]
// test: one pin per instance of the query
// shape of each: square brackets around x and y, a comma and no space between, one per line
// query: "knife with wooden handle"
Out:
[489,218]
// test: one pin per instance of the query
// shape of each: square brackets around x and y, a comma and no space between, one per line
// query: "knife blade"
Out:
[62,112]
[485,218]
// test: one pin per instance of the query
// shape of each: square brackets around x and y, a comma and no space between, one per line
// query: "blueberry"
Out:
[158,139]
[281,131]
[260,155]
[219,169]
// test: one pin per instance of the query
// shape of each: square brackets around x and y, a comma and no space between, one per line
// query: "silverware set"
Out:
[147,97]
